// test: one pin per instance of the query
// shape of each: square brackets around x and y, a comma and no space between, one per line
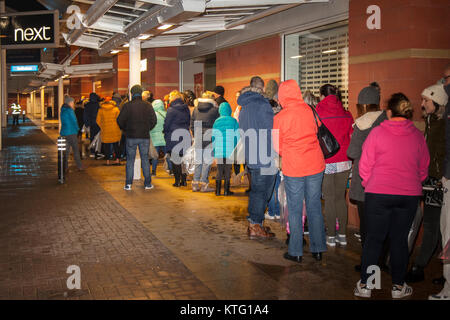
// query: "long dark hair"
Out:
[329,89]
[400,106]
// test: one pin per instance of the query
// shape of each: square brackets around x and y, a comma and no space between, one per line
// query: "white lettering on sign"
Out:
[374,21]
[73,22]
[31,34]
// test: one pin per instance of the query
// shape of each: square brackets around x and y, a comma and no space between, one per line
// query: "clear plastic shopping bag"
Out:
[188,161]
[96,143]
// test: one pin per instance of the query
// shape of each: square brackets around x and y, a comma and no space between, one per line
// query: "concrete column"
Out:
[60,99]
[32,96]
[42,105]
[135,78]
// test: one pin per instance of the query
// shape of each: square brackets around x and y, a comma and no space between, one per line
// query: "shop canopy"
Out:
[108,25]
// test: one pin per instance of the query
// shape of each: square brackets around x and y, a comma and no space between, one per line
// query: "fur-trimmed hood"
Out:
[366,121]
[254,89]
[205,104]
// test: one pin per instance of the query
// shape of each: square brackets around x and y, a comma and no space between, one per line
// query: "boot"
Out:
[183,180]
[226,187]
[416,274]
[255,231]
[195,186]
[205,187]
[177,179]
[219,186]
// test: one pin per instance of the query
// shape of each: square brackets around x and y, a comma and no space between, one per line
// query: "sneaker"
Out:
[269,217]
[305,230]
[149,187]
[358,235]
[401,292]
[195,186]
[341,239]
[127,187]
[277,217]
[362,292]
[438,296]
[331,241]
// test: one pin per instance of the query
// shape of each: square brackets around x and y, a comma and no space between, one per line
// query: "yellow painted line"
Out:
[166,58]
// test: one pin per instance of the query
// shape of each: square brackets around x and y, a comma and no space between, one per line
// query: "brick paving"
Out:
[46,227]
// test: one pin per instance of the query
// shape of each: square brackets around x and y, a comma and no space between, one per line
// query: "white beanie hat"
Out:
[436,93]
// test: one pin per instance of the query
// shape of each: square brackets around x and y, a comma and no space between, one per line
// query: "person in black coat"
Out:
[90,118]
[219,92]
[136,119]
[205,114]
[178,117]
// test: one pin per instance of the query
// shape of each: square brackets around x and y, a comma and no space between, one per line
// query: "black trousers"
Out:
[223,171]
[388,216]
[431,235]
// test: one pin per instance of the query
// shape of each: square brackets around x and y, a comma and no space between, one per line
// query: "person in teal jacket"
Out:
[69,130]
[225,137]
[157,135]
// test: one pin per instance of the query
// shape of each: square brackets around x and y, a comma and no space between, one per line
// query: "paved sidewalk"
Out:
[46,227]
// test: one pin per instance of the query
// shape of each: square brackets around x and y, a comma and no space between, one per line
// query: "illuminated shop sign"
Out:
[38,29]
[25,68]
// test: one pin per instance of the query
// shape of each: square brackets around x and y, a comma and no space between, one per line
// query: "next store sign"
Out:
[38,29]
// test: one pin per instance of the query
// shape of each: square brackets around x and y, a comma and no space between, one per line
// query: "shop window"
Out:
[314,58]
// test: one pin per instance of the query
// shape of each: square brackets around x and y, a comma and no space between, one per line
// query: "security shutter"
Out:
[323,58]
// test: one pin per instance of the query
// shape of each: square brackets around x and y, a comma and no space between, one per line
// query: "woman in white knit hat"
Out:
[434,100]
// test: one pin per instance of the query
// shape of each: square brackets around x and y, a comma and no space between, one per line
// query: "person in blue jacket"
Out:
[69,130]
[225,137]
[256,121]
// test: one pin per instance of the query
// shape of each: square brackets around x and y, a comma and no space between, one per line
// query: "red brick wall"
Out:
[236,65]
[121,78]
[162,75]
[404,25]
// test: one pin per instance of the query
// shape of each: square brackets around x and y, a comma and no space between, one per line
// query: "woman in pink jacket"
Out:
[393,164]
[339,122]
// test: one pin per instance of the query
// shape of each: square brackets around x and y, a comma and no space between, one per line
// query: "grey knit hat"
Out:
[68,99]
[369,95]
[271,89]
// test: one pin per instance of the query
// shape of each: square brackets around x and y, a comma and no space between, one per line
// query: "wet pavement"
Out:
[163,243]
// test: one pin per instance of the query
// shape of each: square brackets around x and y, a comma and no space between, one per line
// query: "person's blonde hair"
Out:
[174,95]
[208,95]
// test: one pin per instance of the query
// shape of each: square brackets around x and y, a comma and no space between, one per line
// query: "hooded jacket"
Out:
[137,118]
[447,135]
[177,117]
[256,113]
[90,113]
[435,137]
[225,132]
[69,124]
[298,145]
[362,127]
[339,122]
[394,159]
[157,132]
[205,112]
[107,121]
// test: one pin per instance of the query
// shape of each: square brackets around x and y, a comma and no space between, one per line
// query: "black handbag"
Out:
[327,141]
[433,192]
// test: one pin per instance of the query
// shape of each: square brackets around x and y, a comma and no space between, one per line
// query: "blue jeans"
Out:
[260,193]
[155,161]
[144,145]
[202,166]
[308,188]
[274,204]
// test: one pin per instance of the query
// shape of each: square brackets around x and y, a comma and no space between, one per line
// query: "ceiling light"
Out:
[144,36]
[126,45]
[330,51]
[165,26]
[296,57]
[115,51]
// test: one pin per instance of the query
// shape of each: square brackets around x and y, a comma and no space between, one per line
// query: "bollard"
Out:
[61,159]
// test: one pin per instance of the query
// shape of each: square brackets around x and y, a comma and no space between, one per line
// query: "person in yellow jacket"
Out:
[110,131]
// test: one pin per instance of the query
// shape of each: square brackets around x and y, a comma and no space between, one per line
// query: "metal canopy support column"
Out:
[60,99]
[42,105]
[135,78]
